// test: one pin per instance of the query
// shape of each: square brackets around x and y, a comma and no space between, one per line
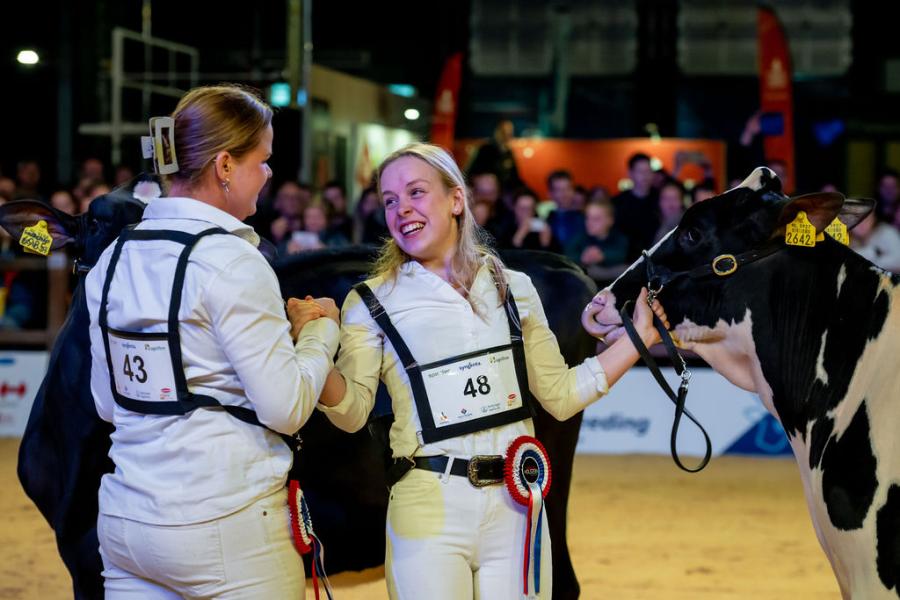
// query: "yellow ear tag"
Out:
[800,232]
[36,239]
[838,231]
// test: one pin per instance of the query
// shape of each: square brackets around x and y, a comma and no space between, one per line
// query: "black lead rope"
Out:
[678,399]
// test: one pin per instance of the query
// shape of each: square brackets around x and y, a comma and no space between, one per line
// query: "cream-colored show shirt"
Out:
[436,322]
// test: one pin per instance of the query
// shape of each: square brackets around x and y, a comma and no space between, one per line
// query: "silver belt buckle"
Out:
[473,471]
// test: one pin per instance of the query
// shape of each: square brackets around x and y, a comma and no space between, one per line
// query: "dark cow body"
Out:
[814,331]
[64,449]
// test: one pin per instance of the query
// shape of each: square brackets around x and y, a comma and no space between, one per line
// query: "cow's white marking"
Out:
[730,350]
[842,277]
[821,373]
[754,181]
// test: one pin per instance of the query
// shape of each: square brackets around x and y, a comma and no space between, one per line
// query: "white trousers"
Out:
[248,554]
[447,540]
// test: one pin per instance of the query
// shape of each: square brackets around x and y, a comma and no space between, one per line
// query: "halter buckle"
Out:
[730,265]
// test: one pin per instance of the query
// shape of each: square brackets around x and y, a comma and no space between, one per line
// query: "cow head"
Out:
[750,217]
[87,234]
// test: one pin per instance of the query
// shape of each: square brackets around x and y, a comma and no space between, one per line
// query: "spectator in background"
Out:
[671,208]
[598,194]
[91,168]
[566,220]
[28,181]
[531,233]
[64,201]
[335,197]
[369,226]
[877,241]
[496,157]
[122,175]
[887,194]
[501,222]
[7,189]
[580,198]
[636,209]
[600,249]
[704,190]
[316,233]
[98,189]
[290,200]
[481,211]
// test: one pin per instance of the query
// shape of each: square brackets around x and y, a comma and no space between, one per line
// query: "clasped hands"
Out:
[301,312]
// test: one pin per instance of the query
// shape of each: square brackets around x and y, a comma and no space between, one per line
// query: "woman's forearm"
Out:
[618,358]
[334,390]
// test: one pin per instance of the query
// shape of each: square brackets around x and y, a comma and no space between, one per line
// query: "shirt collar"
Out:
[195,210]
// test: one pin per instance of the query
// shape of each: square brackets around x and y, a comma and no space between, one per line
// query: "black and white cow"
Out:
[64,449]
[815,331]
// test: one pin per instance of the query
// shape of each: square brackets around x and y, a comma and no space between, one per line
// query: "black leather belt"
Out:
[480,470]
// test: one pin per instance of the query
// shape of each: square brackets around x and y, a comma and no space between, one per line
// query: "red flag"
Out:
[443,121]
[775,92]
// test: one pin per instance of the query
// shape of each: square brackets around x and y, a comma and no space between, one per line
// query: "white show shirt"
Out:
[236,348]
[436,322]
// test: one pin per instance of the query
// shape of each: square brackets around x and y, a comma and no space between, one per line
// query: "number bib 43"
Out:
[472,387]
[142,366]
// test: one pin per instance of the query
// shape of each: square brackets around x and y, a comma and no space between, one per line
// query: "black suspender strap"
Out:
[186,400]
[518,349]
[409,363]
[430,433]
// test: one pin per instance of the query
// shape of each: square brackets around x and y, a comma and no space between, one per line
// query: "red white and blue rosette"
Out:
[527,476]
[305,539]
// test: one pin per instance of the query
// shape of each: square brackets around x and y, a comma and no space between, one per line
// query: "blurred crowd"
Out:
[601,230]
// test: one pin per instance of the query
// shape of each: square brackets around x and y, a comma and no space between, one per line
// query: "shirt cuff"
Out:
[591,380]
[324,330]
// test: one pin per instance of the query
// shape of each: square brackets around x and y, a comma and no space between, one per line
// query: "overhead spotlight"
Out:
[411,114]
[28,57]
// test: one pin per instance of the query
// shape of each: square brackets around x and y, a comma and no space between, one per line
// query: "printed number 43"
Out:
[483,386]
[141,374]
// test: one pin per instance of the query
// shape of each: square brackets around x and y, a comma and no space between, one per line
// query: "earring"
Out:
[225,185]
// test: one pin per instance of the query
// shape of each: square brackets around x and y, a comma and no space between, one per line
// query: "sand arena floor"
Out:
[639,529]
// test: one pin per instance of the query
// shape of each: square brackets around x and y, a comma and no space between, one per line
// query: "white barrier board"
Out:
[636,417]
[21,374]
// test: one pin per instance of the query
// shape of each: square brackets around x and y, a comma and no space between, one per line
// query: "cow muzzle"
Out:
[600,317]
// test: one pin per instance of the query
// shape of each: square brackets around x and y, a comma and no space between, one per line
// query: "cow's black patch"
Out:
[887,532]
[848,480]
[821,431]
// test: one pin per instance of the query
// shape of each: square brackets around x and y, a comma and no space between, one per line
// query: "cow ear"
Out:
[821,209]
[855,210]
[16,216]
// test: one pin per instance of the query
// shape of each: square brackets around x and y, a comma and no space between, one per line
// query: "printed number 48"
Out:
[141,374]
[483,386]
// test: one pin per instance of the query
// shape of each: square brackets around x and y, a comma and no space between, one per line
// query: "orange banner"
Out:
[775,93]
[602,162]
[446,101]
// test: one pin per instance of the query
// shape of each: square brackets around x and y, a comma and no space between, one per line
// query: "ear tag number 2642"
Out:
[800,232]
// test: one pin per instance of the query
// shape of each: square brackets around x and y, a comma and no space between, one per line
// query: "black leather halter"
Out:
[657,278]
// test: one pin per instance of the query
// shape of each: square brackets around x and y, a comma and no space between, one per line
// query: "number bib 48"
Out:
[473,387]
[142,368]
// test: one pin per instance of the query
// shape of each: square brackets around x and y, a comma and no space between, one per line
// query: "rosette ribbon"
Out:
[305,539]
[527,476]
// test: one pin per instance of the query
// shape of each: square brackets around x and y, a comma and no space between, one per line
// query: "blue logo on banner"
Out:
[7,361]
[765,437]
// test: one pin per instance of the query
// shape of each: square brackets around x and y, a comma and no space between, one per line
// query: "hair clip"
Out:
[160,145]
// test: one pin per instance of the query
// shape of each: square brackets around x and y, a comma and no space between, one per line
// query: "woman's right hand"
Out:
[643,318]
[301,312]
